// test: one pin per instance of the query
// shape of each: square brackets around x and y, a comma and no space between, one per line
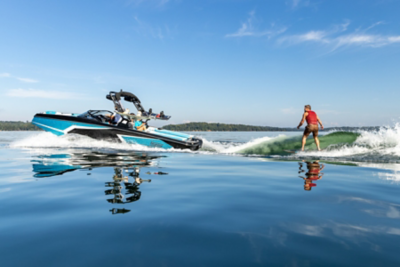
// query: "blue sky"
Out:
[230,61]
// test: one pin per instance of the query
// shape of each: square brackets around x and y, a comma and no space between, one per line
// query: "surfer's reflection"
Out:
[124,187]
[313,173]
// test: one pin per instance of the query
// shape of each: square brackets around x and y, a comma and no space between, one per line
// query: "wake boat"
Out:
[96,124]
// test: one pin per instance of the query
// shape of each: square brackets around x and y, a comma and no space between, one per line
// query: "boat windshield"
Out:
[99,115]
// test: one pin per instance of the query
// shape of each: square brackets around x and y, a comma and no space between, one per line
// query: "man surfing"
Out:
[312,126]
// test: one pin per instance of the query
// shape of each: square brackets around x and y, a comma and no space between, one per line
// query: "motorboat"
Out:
[97,124]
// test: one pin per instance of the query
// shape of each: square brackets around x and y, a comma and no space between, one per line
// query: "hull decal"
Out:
[60,127]
[150,142]
[51,129]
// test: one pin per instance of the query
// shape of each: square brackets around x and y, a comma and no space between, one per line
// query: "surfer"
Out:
[312,126]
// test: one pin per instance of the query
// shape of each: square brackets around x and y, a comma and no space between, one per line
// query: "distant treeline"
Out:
[221,127]
[17,126]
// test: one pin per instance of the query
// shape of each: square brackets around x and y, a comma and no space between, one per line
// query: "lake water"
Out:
[73,201]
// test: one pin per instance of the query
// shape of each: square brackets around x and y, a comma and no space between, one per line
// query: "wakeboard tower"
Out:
[142,114]
[96,124]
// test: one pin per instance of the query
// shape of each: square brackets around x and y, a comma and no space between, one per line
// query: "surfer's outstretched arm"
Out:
[320,123]
[302,120]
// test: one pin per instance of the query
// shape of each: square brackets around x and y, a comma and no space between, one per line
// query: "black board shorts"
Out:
[311,128]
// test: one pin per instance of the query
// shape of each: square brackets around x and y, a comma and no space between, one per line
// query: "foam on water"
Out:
[48,140]
[213,146]
[232,147]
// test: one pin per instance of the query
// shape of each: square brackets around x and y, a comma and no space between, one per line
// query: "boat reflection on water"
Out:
[123,190]
[124,187]
[312,173]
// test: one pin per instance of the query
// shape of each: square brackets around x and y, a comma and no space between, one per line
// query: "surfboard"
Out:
[292,151]
[297,151]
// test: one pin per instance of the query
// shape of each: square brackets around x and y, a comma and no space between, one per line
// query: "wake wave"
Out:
[376,146]
[372,146]
[381,146]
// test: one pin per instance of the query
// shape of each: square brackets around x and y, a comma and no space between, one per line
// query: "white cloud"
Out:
[26,80]
[33,93]
[374,25]
[317,36]
[365,40]
[394,39]
[248,29]
[336,38]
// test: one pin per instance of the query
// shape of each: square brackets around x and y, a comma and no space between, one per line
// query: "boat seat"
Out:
[124,123]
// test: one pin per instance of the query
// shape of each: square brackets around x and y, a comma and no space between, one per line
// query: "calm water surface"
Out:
[88,204]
